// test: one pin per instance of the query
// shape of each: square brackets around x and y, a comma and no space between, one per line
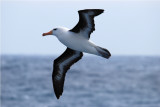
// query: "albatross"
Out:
[77,41]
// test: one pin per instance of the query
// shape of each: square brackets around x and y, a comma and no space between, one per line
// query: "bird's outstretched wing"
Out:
[86,21]
[61,65]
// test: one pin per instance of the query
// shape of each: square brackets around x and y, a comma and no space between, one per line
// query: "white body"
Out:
[75,41]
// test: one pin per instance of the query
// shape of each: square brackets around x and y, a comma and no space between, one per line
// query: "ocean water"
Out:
[121,81]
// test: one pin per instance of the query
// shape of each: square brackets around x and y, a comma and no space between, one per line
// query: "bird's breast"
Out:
[72,41]
[77,42]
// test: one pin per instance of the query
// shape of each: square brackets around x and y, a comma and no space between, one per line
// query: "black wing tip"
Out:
[58,96]
[103,52]
[86,10]
[58,93]
[96,11]
[109,55]
[58,89]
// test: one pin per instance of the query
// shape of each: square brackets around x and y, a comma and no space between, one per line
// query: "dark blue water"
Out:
[92,82]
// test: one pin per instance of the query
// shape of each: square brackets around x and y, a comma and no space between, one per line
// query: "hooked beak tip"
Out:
[43,34]
[48,33]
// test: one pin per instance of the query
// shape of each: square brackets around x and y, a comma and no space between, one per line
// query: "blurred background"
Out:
[130,30]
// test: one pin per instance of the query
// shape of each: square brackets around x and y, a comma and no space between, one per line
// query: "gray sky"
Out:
[125,28]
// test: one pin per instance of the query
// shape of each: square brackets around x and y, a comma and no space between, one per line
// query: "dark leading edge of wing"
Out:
[61,65]
[86,21]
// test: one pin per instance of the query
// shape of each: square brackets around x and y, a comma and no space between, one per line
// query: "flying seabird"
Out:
[77,41]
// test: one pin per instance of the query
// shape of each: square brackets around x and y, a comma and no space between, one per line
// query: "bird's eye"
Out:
[55,29]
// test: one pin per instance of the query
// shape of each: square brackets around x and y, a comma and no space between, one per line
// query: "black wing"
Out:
[61,65]
[86,21]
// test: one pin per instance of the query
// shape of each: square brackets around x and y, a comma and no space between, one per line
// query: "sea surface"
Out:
[121,81]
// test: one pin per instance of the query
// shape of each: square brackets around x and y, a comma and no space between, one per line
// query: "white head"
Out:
[55,31]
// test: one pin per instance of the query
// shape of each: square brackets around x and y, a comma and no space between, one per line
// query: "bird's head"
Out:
[56,31]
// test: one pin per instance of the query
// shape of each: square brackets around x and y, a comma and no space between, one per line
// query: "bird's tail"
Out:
[103,52]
